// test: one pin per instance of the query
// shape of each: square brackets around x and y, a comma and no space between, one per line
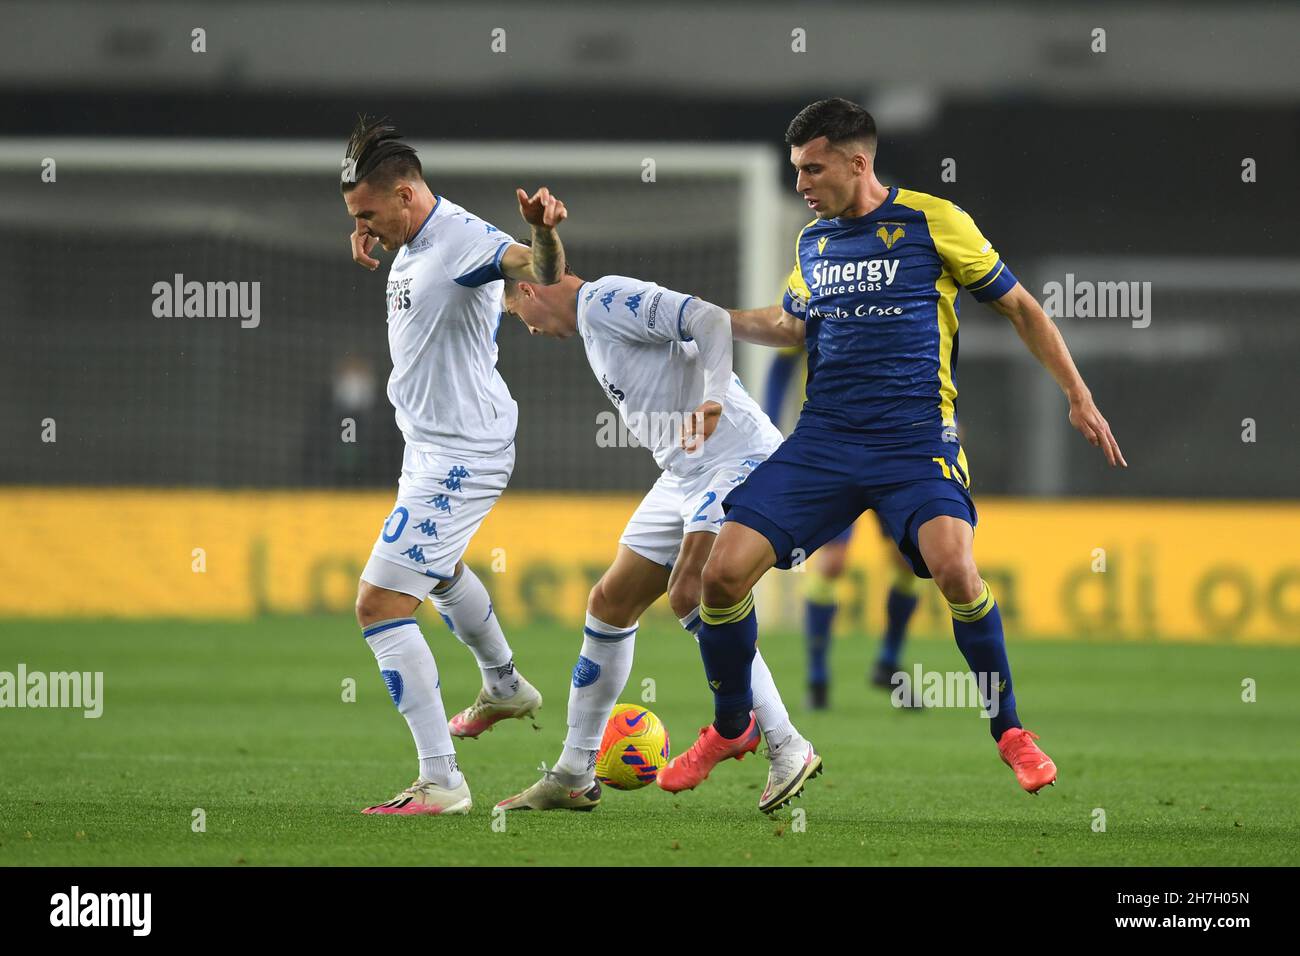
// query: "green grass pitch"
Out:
[247,722]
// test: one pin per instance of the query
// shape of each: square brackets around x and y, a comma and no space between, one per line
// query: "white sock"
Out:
[769,710]
[467,609]
[598,678]
[407,667]
[441,770]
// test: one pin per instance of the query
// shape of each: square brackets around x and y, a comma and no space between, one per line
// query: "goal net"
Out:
[93,227]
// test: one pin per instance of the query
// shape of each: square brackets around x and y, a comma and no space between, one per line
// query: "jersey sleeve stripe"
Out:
[994,285]
[681,332]
[488,272]
[989,277]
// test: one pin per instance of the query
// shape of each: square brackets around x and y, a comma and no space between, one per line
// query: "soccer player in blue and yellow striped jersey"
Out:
[873,298]
[821,603]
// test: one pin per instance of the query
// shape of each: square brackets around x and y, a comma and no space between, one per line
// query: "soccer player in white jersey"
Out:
[452,406]
[664,360]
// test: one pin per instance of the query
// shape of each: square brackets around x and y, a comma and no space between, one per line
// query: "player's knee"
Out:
[376,604]
[605,607]
[956,576]
[684,595]
[723,583]
[369,605]
[597,603]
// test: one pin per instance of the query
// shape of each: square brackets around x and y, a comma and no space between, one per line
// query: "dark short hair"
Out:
[378,156]
[838,119]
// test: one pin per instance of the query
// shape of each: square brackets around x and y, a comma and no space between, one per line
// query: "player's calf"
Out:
[466,608]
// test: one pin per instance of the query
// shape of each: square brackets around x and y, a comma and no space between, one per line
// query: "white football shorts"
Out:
[675,507]
[441,501]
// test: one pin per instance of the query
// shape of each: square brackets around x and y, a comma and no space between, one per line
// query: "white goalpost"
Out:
[622,196]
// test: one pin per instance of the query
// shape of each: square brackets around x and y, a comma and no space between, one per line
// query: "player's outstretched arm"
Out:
[1043,338]
[770,326]
[542,261]
[707,325]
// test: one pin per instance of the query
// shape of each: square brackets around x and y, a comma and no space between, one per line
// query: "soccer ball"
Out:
[633,750]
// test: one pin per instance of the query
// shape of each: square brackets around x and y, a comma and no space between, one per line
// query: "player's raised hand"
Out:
[362,244]
[1087,418]
[541,210]
[699,425]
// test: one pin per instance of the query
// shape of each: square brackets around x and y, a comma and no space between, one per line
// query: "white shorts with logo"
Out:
[441,501]
[675,507]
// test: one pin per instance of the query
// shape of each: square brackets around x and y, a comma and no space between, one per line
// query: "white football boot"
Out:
[424,797]
[487,710]
[794,763]
[556,791]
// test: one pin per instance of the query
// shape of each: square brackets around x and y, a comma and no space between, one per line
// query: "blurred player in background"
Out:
[821,603]
[873,298]
[663,359]
[458,419]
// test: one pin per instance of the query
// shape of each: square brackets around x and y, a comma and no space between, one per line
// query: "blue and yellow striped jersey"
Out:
[879,294]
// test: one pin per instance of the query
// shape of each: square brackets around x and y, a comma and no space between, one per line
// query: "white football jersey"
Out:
[638,342]
[444,309]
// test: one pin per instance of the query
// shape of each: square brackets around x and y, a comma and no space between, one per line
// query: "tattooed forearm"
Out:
[548,255]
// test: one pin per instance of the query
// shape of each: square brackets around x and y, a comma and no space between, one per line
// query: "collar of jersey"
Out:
[875,214]
[437,201]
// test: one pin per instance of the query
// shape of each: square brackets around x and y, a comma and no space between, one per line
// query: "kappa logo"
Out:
[428,527]
[440,502]
[454,476]
[821,244]
[890,236]
[608,297]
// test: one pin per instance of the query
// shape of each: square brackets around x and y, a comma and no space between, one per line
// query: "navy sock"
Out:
[899,607]
[728,637]
[817,620]
[977,626]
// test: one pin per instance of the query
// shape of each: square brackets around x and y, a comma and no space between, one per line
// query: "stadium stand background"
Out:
[1117,166]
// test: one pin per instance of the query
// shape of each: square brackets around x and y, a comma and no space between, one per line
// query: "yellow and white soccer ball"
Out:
[633,749]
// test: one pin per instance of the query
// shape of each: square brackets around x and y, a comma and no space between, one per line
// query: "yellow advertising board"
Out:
[1063,569]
